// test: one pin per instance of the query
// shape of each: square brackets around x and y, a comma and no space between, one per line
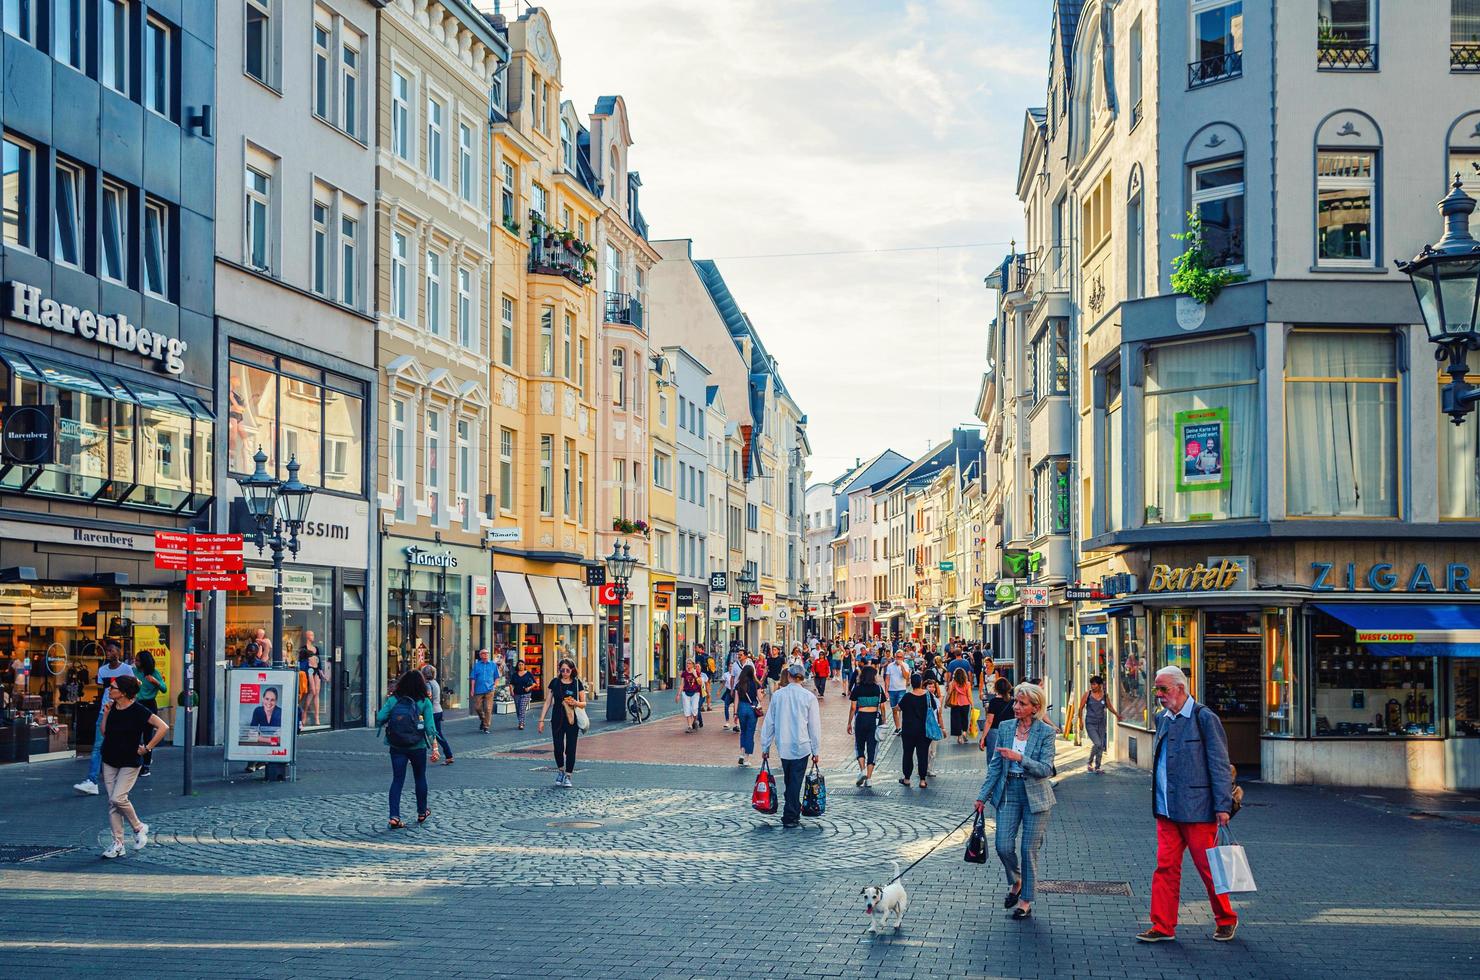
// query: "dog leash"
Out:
[949,834]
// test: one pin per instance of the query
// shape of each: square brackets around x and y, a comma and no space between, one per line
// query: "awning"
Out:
[547,595]
[1412,629]
[511,597]
[578,598]
[1121,610]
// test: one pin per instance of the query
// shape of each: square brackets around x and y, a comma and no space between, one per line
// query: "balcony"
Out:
[623,308]
[1464,56]
[1020,274]
[558,253]
[1229,64]
[1340,55]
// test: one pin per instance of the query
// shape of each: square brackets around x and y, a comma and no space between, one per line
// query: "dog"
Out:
[880,902]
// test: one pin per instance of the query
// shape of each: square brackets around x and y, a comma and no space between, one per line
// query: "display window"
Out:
[1282,688]
[1176,644]
[308,635]
[425,624]
[1464,686]
[1367,691]
[1132,673]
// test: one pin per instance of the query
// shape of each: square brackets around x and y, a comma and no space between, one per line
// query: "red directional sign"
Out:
[756,598]
[216,543]
[172,561]
[219,582]
[224,562]
[171,541]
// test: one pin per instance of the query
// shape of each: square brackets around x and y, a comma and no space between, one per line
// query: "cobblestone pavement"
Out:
[662,870]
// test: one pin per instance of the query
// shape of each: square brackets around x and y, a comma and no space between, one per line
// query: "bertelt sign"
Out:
[29,305]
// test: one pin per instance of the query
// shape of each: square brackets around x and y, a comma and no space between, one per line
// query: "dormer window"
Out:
[567,147]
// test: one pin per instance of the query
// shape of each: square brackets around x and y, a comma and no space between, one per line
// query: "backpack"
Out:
[1236,795]
[405,729]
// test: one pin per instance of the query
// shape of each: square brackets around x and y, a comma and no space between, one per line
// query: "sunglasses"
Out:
[1163,689]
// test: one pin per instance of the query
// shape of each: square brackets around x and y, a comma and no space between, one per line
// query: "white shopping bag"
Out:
[1230,866]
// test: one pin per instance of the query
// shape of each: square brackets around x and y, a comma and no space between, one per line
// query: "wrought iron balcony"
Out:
[1346,56]
[1464,56]
[1022,273]
[1229,64]
[623,308]
[554,253]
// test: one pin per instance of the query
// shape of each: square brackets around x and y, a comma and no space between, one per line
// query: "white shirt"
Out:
[434,691]
[793,723]
[1019,745]
[896,676]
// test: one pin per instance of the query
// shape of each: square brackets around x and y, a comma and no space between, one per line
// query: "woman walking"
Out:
[409,719]
[960,703]
[1018,787]
[747,709]
[995,712]
[1092,710]
[821,670]
[865,699]
[691,689]
[913,709]
[151,689]
[567,693]
[521,684]
[124,724]
[434,691]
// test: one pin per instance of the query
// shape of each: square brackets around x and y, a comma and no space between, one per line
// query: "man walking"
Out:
[1192,796]
[794,724]
[483,679]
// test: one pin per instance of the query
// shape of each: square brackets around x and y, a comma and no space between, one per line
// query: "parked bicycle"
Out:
[639,709]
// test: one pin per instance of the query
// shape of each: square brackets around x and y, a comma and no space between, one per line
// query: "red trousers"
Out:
[1172,839]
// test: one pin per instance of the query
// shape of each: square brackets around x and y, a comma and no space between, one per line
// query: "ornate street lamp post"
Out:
[832,624]
[619,566]
[279,509]
[747,586]
[1446,280]
[806,591]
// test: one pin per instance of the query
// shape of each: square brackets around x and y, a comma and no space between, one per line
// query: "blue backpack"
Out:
[405,729]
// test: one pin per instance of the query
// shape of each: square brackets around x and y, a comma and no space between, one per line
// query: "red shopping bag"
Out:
[763,797]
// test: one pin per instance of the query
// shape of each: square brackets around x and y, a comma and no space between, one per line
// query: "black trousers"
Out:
[916,747]
[564,737]
[865,735]
[793,774]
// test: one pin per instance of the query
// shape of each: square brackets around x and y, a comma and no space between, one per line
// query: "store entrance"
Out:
[1232,645]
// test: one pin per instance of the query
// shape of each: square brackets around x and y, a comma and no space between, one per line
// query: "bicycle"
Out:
[639,709]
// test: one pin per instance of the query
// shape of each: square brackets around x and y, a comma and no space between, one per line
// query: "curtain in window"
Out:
[1459,467]
[1341,448]
[1187,377]
[1464,26]
[1114,454]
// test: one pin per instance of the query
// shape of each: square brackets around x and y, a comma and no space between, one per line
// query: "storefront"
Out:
[540,619]
[428,592]
[664,650]
[1328,672]
[690,620]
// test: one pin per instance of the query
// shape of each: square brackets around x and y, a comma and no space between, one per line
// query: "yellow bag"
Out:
[974,731]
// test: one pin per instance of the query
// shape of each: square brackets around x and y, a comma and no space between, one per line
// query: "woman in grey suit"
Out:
[1018,787]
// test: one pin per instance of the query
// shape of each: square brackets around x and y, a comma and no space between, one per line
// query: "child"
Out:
[1092,713]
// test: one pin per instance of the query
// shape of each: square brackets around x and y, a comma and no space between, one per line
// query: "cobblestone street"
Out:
[653,869]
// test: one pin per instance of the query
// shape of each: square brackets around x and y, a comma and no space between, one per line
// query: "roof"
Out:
[584,173]
[606,104]
[1039,115]
[963,442]
[877,471]
[1066,13]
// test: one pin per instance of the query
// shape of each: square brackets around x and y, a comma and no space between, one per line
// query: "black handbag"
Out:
[976,844]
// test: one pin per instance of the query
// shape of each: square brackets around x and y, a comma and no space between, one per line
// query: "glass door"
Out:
[349,658]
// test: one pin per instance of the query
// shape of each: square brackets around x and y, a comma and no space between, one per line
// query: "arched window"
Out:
[1463,156]
[619,377]
[1347,204]
[1215,192]
[1135,236]
[614,175]
[567,147]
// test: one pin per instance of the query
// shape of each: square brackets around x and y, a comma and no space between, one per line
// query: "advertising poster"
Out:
[1202,441]
[261,707]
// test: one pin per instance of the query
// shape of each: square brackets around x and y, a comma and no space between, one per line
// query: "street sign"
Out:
[719,582]
[216,543]
[223,582]
[1034,595]
[948,566]
[172,561]
[1028,626]
[595,575]
[171,541]
[606,595]
[293,599]
[755,599]
[208,562]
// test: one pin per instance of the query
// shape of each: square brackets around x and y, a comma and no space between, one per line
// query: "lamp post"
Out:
[806,591]
[747,586]
[279,507]
[619,566]
[832,624]
[1446,280]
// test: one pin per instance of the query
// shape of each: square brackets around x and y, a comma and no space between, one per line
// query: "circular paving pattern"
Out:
[575,837]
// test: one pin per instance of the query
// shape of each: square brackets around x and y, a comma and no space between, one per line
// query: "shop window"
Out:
[83,414]
[1369,690]
[1202,431]
[344,438]
[165,452]
[300,416]
[1341,423]
[1464,686]
[1176,644]
[252,418]
[1282,714]
[307,632]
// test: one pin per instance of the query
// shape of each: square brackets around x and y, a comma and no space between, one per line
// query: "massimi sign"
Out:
[28,304]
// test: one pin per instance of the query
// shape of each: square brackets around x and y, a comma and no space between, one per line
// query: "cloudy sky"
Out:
[882,129]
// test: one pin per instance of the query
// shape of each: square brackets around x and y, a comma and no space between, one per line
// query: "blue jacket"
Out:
[484,676]
[1199,777]
[1037,767]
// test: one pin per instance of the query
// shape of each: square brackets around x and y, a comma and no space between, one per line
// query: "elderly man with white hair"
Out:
[1192,796]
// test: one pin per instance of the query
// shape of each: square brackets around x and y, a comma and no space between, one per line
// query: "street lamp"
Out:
[619,566]
[1446,280]
[279,508]
[806,591]
[746,579]
[832,624]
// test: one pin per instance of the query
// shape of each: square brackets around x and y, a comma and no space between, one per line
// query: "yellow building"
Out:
[663,515]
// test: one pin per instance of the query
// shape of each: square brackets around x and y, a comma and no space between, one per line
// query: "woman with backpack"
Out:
[409,720]
[568,695]
[747,709]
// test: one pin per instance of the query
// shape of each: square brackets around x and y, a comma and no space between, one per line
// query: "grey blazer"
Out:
[1199,779]
[1037,767]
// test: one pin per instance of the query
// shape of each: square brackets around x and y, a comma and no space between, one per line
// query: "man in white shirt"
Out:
[896,683]
[794,723]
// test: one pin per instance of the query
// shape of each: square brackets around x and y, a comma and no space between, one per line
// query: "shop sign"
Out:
[504,535]
[1034,595]
[719,582]
[1083,593]
[1381,577]
[755,599]
[28,435]
[1384,636]
[1121,583]
[480,595]
[595,576]
[783,614]
[606,595]
[1006,593]
[336,533]
[948,566]
[734,614]
[1203,444]
[683,596]
[1021,563]
[1223,576]
[421,558]
[28,304]
[1094,629]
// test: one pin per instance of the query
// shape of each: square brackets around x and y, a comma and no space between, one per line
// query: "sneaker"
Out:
[1223,934]
[568,784]
[559,778]
[143,771]
[740,761]
[861,780]
[1152,936]
[88,788]
[141,836]
[115,850]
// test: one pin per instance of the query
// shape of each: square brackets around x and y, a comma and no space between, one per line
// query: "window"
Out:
[581,368]
[20,19]
[400,302]
[1051,361]
[321,248]
[547,476]
[496,92]
[506,195]
[1051,495]
[1133,672]
[466,475]
[581,488]
[683,412]
[613,269]
[19,194]
[545,100]
[541,200]
[113,43]
[399,459]
[349,87]
[349,233]
[567,147]
[436,141]
[1135,246]
[258,38]
[1398,690]
[322,96]
[433,468]
[114,232]
[506,483]
[1341,424]
[1137,70]
[568,349]
[547,341]
[506,331]
[1217,40]
[566,474]
[1346,189]
[436,320]
[344,437]
[69,33]
[300,421]
[1114,457]
[752,517]
[157,67]
[466,330]
[1464,35]
[259,222]
[401,115]
[69,201]
[1345,35]
[619,487]
[1459,462]
[465,168]
[619,378]
[662,470]
[1218,201]
[156,247]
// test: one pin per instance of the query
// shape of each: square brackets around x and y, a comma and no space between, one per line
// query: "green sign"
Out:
[948,566]
[1006,593]
[1020,563]
[1202,450]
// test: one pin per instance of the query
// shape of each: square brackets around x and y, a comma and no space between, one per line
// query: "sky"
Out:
[888,131]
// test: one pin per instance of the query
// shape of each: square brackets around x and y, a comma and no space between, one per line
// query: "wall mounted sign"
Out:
[28,304]
[505,535]
[683,596]
[734,614]
[1199,578]
[421,558]
[1006,593]
[595,576]
[1094,629]
[719,582]
[948,566]
[1384,577]
[606,595]
[480,598]
[28,434]
[1083,593]
[783,614]
[1034,595]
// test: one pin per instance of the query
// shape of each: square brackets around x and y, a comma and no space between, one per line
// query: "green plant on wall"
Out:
[1190,272]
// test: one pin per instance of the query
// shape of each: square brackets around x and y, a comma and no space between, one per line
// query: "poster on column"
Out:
[1202,441]
[261,707]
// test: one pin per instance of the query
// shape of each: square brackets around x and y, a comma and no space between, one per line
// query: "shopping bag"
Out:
[932,723]
[976,844]
[763,796]
[973,730]
[1230,866]
[814,793]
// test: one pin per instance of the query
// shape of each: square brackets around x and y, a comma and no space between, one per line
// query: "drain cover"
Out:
[575,824]
[1066,886]
[19,853]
